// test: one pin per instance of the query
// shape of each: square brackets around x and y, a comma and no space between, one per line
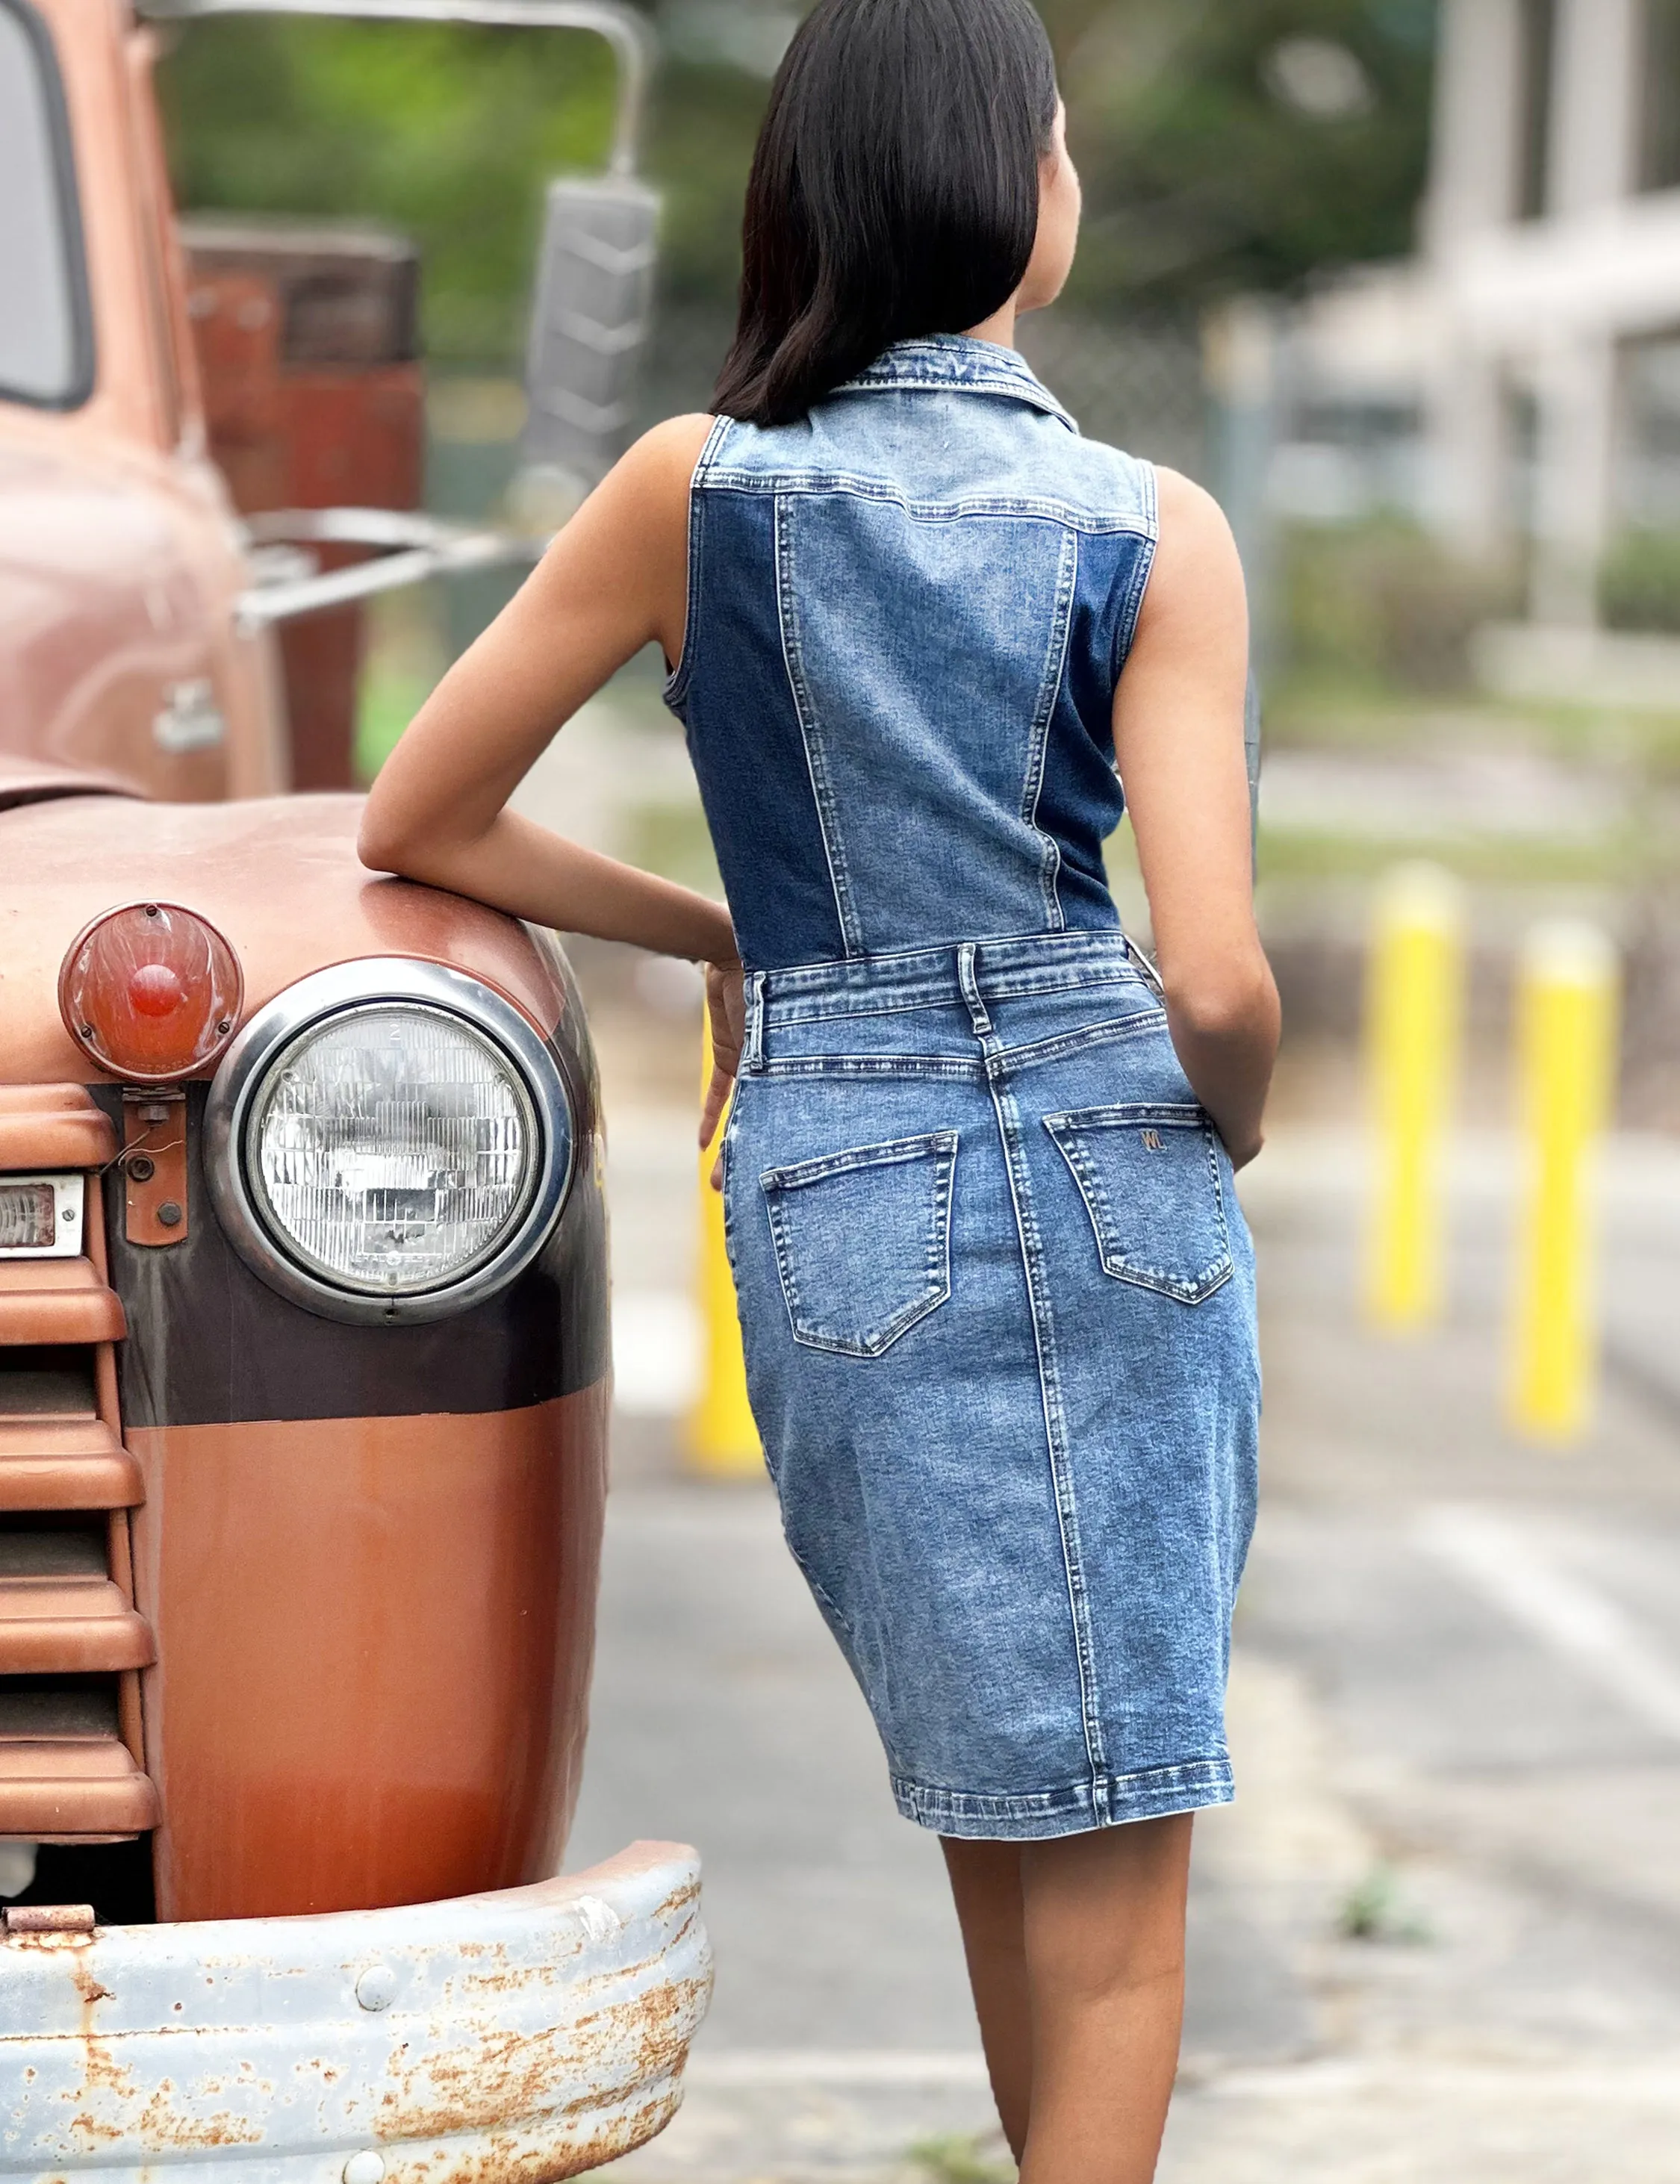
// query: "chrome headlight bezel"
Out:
[350,989]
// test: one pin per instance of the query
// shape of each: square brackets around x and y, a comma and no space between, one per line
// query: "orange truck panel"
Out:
[375,1637]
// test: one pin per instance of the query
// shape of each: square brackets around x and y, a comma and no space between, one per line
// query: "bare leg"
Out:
[1103,1923]
[986,1883]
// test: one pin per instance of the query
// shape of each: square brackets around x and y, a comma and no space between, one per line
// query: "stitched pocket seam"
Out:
[1065,1132]
[940,1147]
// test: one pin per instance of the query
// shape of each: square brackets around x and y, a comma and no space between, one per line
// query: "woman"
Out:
[996,1290]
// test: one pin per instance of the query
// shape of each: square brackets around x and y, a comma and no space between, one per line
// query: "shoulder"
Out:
[1196,582]
[658,469]
[638,514]
[1191,521]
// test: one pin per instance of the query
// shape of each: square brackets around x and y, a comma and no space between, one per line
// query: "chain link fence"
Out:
[1136,383]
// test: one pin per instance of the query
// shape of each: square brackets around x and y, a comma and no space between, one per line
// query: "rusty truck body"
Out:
[304,1356]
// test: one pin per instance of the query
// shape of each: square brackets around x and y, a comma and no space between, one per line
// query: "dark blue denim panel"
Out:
[1081,802]
[733,694]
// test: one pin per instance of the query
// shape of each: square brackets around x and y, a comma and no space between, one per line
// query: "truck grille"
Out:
[71,1641]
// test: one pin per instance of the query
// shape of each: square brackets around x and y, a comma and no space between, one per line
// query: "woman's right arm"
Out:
[1178,719]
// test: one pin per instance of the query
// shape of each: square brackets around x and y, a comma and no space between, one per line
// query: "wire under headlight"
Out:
[397,1155]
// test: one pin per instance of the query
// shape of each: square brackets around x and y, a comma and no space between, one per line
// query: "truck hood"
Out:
[279,877]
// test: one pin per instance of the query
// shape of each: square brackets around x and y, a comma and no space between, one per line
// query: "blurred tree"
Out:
[1225,144]
[447,132]
[1231,144]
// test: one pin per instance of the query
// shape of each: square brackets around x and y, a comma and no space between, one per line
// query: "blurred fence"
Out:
[1136,383]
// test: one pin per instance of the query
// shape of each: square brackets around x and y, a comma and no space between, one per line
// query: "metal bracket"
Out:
[153,1162]
[406,549]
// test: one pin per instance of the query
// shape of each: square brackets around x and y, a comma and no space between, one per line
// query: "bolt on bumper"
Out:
[522,2036]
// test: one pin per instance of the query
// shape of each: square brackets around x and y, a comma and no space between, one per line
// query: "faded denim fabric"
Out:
[996,1288]
[906,616]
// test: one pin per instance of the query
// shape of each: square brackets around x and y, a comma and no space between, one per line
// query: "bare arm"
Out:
[1178,739]
[615,579]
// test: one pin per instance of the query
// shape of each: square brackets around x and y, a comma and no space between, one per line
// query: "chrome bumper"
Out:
[527,2035]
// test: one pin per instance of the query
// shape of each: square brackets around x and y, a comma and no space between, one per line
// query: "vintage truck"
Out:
[305,1360]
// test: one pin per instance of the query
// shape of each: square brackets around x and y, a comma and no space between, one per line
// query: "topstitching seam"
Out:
[786,484]
[1067,1523]
[1056,669]
[676,683]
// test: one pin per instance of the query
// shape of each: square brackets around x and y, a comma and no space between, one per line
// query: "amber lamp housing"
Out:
[150,992]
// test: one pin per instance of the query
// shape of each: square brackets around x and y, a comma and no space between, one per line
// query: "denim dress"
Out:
[996,1289]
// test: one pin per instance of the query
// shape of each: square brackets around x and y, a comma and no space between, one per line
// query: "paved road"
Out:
[1456,1717]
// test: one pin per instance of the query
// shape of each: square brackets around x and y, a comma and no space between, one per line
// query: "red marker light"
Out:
[156,990]
[150,992]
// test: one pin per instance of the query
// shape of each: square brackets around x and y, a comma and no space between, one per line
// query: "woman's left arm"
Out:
[614,580]
[1178,739]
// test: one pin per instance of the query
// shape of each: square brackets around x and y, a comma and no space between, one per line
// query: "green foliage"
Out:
[444,132]
[1200,177]
[1383,603]
[1375,1911]
[1640,582]
[959,2161]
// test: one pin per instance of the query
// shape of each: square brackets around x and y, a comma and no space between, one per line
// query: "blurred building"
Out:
[1517,384]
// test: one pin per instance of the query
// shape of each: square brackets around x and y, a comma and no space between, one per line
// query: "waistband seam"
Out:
[1070,940]
[943,978]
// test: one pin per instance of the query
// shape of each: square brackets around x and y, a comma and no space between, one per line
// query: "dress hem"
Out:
[1108,1801]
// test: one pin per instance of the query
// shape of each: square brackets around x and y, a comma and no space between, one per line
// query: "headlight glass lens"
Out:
[392,1148]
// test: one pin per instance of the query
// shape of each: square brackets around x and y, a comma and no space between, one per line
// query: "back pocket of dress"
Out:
[862,1240]
[1149,1176]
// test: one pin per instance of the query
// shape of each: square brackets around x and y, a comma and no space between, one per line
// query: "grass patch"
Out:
[673,841]
[958,2161]
[1498,861]
[1375,1910]
[386,702]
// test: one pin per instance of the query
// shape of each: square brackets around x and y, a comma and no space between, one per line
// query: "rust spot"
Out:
[503,2160]
[48,1944]
[160,2127]
[94,2130]
[685,1899]
[103,2072]
[495,2079]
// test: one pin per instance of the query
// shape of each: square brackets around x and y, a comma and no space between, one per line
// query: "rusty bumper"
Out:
[525,2035]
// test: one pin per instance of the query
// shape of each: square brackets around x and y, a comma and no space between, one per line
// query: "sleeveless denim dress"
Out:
[996,1289]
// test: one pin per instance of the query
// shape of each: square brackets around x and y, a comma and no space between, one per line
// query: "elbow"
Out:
[1227,1006]
[381,843]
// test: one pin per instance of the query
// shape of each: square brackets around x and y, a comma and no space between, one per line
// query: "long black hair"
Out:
[894,191]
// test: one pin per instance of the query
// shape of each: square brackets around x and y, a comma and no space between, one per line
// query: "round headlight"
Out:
[389,1141]
[392,1149]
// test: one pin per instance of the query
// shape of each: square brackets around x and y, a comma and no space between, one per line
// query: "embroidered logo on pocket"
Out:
[1149,1173]
[863,1241]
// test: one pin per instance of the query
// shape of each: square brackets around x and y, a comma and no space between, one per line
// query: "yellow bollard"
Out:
[1567,1011]
[1414,1012]
[722,1439]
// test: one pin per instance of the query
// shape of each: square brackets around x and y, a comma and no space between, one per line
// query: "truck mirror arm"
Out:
[409,550]
[624,30]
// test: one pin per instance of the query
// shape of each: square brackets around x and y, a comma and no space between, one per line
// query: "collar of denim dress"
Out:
[957,364]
